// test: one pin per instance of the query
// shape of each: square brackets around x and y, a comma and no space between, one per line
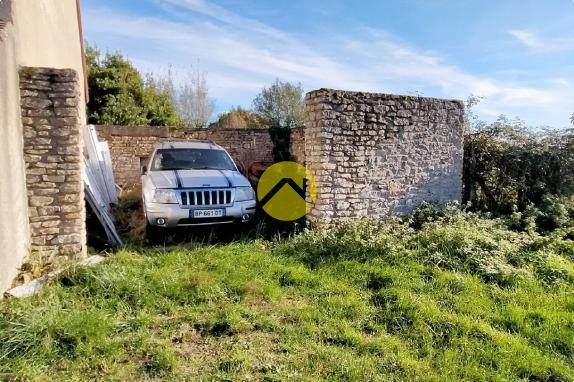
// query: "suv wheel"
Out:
[154,235]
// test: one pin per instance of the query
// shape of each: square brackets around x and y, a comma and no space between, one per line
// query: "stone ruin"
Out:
[376,155]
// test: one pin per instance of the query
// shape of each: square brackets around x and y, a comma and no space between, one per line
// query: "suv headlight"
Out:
[165,197]
[244,193]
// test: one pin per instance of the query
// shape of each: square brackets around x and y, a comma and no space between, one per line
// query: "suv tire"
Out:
[154,235]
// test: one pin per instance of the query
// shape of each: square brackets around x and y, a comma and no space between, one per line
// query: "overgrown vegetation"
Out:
[443,295]
[509,167]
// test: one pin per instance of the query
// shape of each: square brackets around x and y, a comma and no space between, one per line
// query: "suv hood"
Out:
[197,179]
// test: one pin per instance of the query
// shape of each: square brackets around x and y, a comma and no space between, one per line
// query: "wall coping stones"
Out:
[349,95]
[165,131]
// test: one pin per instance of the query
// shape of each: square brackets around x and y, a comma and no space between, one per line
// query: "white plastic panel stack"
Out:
[99,182]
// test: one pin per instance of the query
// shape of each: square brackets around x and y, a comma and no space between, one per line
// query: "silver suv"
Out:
[188,183]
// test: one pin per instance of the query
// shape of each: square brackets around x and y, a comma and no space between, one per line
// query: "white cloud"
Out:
[527,38]
[238,49]
[398,62]
[223,15]
[241,55]
[536,45]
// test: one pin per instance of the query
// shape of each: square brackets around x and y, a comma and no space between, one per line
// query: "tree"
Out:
[190,96]
[281,105]
[119,96]
[238,118]
[193,102]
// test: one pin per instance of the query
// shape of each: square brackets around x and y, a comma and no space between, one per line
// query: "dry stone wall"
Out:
[130,147]
[50,100]
[375,155]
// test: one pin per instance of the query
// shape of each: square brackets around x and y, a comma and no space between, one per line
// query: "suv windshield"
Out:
[191,159]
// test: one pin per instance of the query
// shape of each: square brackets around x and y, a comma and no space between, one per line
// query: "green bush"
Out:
[553,213]
[428,212]
[508,167]
[119,95]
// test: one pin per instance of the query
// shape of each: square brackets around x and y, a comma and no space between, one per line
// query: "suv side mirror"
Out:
[240,168]
[144,169]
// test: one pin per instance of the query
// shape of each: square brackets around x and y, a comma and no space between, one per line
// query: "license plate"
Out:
[207,213]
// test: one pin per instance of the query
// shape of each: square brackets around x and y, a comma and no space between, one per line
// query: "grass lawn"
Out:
[463,298]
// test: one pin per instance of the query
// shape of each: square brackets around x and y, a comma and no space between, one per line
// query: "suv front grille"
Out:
[212,198]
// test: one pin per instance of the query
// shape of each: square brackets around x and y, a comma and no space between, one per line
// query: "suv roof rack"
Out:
[186,140]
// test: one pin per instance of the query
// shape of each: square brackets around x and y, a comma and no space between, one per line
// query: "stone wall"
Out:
[378,154]
[130,147]
[50,104]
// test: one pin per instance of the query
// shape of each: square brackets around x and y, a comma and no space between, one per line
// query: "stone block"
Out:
[38,201]
[54,178]
[35,102]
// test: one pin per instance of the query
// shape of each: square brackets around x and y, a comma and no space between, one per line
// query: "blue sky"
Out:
[518,54]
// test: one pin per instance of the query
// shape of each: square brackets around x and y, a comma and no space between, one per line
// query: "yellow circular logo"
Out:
[281,191]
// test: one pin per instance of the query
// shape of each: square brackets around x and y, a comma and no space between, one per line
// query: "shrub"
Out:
[553,213]
[508,166]
[357,241]
[428,212]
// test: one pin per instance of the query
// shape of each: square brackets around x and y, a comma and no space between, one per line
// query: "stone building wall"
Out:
[130,147]
[378,154]
[14,232]
[50,104]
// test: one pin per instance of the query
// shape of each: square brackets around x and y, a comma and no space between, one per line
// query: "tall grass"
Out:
[441,296]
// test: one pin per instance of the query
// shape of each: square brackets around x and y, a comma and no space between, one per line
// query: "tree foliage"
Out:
[119,96]
[189,94]
[239,118]
[193,101]
[509,167]
[281,105]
